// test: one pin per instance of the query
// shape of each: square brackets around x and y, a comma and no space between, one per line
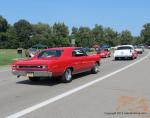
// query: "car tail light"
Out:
[14,67]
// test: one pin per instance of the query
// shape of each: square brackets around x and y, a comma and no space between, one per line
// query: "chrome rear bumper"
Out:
[32,73]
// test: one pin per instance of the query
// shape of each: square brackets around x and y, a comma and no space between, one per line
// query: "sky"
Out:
[118,14]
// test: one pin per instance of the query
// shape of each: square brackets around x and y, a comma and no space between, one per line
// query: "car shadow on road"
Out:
[122,60]
[52,81]
[41,82]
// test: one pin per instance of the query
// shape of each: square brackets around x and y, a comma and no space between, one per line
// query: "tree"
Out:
[84,37]
[145,33]
[98,33]
[3,40]
[24,31]
[3,29]
[126,37]
[110,36]
[137,40]
[74,32]
[42,33]
[60,33]
[23,34]
[12,41]
[3,24]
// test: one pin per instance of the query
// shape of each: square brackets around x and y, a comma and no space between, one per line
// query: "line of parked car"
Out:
[64,62]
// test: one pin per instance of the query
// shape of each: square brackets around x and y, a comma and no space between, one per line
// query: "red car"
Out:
[55,62]
[104,53]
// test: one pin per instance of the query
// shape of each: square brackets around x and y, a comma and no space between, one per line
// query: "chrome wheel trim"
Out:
[68,75]
[96,68]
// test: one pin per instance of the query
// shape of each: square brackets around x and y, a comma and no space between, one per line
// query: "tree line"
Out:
[24,34]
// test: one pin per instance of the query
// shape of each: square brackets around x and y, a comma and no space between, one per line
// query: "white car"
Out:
[125,52]
[139,49]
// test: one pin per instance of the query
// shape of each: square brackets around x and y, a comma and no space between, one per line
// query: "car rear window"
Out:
[138,47]
[79,52]
[124,48]
[50,53]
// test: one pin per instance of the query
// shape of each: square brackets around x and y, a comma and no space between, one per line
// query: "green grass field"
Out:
[7,56]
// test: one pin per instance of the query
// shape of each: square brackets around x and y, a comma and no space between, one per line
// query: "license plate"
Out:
[30,74]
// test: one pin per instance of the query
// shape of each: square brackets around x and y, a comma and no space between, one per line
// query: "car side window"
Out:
[78,53]
[50,53]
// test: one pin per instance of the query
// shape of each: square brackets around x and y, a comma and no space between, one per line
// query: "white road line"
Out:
[58,97]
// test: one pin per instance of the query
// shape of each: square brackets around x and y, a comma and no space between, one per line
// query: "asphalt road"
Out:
[122,91]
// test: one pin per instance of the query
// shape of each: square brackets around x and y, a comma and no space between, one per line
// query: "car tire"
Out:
[34,79]
[67,76]
[132,58]
[116,58]
[95,68]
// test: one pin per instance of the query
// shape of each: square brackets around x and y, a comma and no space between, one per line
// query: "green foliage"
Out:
[126,37]
[138,40]
[23,34]
[3,24]
[60,34]
[24,31]
[98,34]
[84,37]
[3,29]
[42,33]
[145,33]
[110,36]
[12,40]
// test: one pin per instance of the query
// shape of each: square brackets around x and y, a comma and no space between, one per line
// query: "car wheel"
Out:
[95,69]
[108,55]
[132,58]
[67,76]
[34,79]
[116,58]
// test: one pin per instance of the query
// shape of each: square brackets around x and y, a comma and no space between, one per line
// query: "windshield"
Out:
[124,48]
[50,53]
